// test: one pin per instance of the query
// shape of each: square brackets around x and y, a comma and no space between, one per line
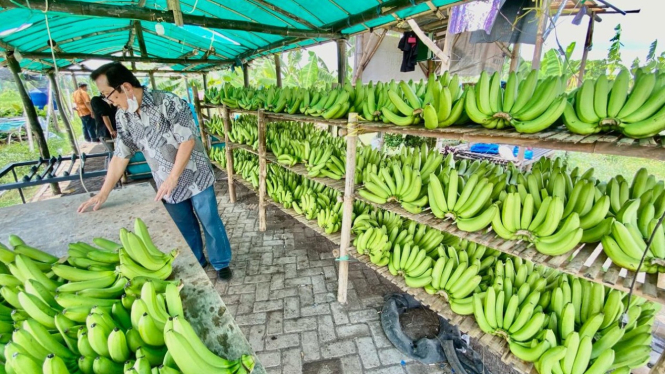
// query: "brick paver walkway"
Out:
[283,296]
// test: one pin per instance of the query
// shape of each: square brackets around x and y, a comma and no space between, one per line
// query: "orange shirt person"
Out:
[81,101]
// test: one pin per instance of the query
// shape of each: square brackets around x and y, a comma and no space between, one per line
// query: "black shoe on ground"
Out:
[225,273]
[205,265]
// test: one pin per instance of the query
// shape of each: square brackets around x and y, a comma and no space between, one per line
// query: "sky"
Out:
[638,31]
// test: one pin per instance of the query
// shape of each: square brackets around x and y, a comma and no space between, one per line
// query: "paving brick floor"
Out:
[283,297]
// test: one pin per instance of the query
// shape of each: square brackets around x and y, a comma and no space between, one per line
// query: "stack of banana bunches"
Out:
[562,323]
[105,308]
[526,102]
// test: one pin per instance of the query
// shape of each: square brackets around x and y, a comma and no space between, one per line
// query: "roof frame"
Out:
[144,14]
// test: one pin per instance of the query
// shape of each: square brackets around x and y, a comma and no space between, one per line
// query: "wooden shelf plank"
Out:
[558,138]
[467,324]
[586,262]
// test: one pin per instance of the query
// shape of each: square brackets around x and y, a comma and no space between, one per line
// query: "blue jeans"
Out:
[204,204]
[89,128]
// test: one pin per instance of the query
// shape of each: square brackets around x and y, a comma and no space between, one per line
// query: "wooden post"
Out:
[152,80]
[262,169]
[515,57]
[202,127]
[229,153]
[542,22]
[30,112]
[205,82]
[245,74]
[76,85]
[63,114]
[205,89]
[347,212]
[588,44]
[187,88]
[341,61]
[278,69]
[51,112]
[430,67]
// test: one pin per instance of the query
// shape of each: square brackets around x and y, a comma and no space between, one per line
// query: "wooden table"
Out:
[52,224]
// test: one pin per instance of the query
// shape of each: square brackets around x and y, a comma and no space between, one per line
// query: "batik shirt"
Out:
[157,129]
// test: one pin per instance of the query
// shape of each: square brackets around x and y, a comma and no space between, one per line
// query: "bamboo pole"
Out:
[63,114]
[515,58]
[152,80]
[278,69]
[30,113]
[229,154]
[262,169]
[543,14]
[341,61]
[588,44]
[202,128]
[205,89]
[349,198]
[245,74]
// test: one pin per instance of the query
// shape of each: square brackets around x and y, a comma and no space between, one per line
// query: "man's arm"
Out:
[87,105]
[116,168]
[181,159]
[109,126]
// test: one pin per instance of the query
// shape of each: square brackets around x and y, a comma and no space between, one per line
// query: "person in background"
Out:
[82,105]
[105,118]
[161,125]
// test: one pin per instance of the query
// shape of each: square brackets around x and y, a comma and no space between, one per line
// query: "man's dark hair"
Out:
[116,73]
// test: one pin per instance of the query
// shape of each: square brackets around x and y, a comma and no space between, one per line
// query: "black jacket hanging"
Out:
[409,46]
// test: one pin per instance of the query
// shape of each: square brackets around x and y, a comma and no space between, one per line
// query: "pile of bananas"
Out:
[602,106]
[218,154]
[563,323]
[215,125]
[529,106]
[375,243]
[526,104]
[108,311]
[439,103]
[402,178]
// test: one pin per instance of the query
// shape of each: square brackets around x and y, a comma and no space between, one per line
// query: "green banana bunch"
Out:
[375,243]
[599,108]
[529,106]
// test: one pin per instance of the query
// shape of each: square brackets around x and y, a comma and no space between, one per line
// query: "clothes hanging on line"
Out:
[409,46]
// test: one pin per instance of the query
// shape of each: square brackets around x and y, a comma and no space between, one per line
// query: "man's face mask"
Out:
[132,103]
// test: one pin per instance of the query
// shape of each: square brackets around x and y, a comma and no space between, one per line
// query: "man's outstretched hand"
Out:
[95,202]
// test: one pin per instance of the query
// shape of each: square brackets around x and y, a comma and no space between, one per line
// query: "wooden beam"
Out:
[387,7]
[245,74]
[278,69]
[262,169]
[427,41]
[349,198]
[174,6]
[226,117]
[588,44]
[152,80]
[138,29]
[341,61]
[156,60]
[63,113]
[283,12]
[369,54]
[543,14]
[515,57]
[30,112]
[197,107]
[144,14]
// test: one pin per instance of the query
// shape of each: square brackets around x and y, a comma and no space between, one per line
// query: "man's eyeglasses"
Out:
[107,98]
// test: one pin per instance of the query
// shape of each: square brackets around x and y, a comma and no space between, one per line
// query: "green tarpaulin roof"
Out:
[216,33]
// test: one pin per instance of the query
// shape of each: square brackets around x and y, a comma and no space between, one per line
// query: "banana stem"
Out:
[644,255]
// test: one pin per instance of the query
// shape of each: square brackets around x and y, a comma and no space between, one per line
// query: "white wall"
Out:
[387,61]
